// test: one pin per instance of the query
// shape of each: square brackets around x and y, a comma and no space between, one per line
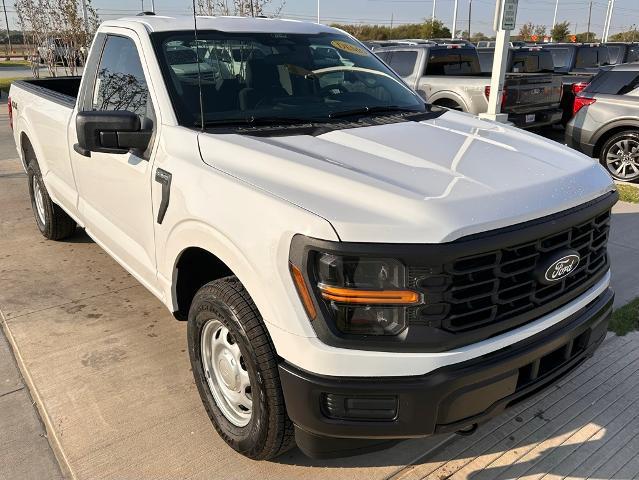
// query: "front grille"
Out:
[498,287]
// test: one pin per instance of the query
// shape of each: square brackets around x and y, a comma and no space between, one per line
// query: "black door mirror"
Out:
[110,132]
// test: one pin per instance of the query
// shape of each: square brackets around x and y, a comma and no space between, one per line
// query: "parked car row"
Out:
[591,88]
[450,75]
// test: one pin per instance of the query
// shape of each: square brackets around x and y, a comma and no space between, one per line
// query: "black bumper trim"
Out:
[453,397]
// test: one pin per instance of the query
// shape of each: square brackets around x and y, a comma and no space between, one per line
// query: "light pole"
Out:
[612,7]
[318,11]
[589,17]
[432,19]
[554,18]
[454,19]
[153,6]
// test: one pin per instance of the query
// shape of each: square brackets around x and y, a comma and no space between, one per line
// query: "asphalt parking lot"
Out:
[106,367]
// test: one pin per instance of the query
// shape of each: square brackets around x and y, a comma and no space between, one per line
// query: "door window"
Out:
[120,82]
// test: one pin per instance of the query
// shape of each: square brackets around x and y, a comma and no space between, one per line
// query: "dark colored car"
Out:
[520,60]
[623,52]
[606,121]
[578,62]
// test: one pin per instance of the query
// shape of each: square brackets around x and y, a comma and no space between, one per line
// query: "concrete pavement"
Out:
[107,367]
[25,453]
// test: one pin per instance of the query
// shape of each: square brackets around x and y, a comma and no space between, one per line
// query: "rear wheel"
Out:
[52,221]
[235,368]
[620,156]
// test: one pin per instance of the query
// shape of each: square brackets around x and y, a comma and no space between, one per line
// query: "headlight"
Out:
[362,295]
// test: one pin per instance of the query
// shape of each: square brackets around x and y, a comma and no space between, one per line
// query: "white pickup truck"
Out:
[356,267]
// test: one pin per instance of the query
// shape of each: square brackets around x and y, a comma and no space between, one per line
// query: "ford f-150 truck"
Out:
[450,75]
[356,267]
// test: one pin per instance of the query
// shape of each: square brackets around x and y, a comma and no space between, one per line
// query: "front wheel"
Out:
[235,369]
[620,156]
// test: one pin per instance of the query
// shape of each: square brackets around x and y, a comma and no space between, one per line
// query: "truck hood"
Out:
[414,182]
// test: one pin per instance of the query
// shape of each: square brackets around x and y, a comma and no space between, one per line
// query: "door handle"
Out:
[163,178]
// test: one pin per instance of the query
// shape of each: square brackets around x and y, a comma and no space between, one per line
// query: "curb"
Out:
[52,437]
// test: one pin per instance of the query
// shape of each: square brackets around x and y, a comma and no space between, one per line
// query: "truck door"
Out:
[115,189]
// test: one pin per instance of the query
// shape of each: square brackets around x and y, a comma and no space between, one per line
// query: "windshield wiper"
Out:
[256,121]
[375,109]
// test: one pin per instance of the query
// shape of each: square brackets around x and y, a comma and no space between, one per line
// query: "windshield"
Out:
[265,77]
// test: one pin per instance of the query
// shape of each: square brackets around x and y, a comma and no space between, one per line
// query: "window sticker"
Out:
[349,48]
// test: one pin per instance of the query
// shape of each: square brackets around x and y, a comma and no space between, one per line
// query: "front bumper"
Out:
[541,118]
[449,399]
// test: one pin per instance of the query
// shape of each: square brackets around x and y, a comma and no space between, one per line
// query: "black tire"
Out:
[269,432]
[451,104]
[56,224]
[628,174]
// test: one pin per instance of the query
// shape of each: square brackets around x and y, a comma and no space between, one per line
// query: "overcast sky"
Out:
[626,13]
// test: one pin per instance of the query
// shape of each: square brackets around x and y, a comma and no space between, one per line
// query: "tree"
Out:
[526,31]
[627,36]
[427,29]
[478,37]
[243,8]
[55,31]
[540,31]
[586,37]
[560,32]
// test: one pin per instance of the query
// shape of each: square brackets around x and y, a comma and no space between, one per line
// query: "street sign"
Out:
[509,15]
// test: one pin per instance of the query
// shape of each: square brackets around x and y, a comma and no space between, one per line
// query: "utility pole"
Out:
[432,19]
[470,12]
[589,17]
[454,19]
[6,20]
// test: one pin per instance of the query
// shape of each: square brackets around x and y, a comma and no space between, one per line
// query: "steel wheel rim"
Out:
[226,373]
[622,159]
[39,200]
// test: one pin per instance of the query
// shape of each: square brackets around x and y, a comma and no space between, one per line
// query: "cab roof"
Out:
[160,23]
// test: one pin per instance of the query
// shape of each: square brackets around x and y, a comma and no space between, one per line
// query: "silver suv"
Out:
[605,121]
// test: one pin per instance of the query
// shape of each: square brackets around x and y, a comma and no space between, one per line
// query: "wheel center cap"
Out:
[228,371]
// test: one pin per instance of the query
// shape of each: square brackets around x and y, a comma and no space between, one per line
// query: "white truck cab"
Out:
[356,267]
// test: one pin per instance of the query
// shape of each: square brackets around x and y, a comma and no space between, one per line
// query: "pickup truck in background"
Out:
[520,60]
[577,63]
[622,52]
[450,75]
[355,267]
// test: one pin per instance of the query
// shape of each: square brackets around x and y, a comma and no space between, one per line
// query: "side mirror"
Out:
[110,132]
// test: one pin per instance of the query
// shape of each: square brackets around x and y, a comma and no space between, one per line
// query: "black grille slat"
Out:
[498,285]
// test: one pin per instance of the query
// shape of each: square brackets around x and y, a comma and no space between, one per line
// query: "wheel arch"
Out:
[605,133]
[195,249]
[447,99]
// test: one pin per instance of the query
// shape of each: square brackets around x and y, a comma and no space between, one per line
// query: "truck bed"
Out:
[61,90]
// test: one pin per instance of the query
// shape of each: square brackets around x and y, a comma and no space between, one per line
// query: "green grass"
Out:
[628,193]
[14,63]
[625,319]
[5,83]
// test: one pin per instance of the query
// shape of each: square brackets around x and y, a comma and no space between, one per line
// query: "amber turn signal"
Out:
[302,291]
[370,297]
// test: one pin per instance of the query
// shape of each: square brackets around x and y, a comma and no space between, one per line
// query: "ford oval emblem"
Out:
[561,268]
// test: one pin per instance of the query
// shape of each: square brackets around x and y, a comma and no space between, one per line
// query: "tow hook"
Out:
[468,431]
